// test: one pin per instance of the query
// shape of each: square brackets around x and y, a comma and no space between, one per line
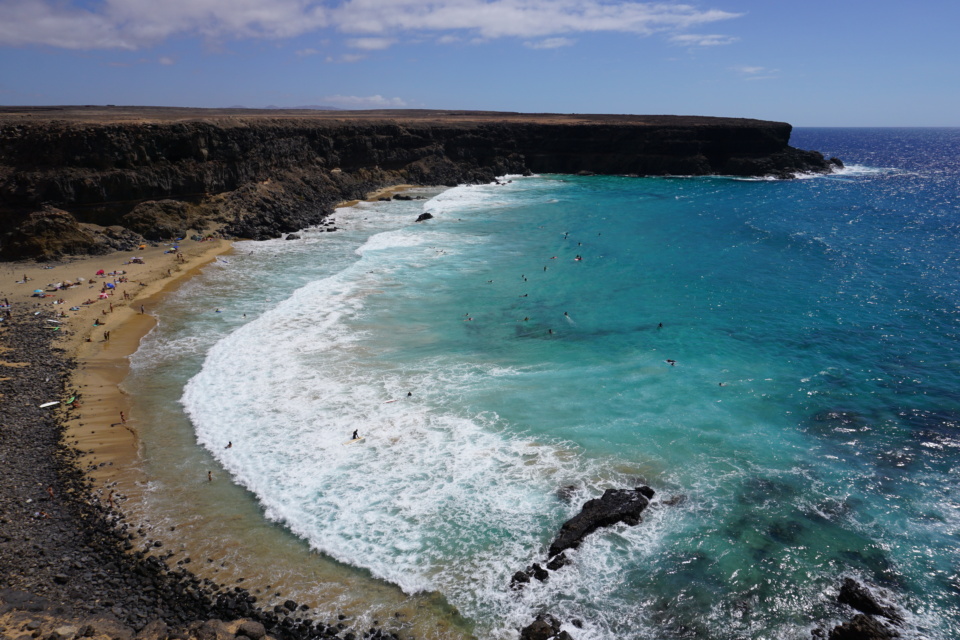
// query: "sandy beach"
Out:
[101,331]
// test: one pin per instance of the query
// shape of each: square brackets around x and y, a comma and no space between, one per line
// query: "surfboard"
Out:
[49,404]
[354,440]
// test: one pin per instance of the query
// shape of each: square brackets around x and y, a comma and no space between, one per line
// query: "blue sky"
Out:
[810,63]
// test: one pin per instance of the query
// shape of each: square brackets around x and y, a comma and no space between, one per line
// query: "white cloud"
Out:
[698,40]
[303,53]
[134,24]
[166,61]
[371,44]
[550,43]
[364,102]
[756,73]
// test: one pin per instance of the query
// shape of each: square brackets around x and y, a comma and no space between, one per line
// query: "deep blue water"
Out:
[809,429]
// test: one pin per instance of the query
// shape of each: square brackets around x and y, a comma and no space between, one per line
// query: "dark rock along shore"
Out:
[78,181]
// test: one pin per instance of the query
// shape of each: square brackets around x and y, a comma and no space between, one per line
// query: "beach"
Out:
[71,466]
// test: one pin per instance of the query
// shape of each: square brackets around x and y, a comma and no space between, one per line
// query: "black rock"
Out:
[560,560]
[293,236]
[424,216]
[862,627]
[615,505]
[544,627]
[856,595]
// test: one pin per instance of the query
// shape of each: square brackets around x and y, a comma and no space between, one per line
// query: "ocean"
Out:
[778,360]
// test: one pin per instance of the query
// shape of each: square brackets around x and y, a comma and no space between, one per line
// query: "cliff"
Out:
[95,179]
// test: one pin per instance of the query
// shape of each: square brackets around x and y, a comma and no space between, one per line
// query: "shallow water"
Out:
[809,422]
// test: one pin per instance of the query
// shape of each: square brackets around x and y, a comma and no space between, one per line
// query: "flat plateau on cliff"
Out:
[145,115]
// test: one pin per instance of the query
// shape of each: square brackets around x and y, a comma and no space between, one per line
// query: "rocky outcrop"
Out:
[614,506]
[50,233]
[865,625]
[544,627]
[158,171]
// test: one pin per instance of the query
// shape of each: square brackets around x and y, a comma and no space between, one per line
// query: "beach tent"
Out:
[100,272]
[110,285]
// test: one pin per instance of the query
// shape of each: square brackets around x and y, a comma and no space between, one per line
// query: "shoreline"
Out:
[105,452]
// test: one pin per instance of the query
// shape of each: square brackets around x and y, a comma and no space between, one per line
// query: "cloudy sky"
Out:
[808,62]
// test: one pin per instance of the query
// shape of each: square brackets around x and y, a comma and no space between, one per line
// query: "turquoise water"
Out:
[808,428]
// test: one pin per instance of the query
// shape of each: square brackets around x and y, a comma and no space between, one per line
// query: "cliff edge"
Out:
[76,180]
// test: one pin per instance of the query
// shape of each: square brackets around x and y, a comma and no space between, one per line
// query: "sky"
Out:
[807,62]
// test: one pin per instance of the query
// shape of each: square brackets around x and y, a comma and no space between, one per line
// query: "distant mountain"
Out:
[314,107]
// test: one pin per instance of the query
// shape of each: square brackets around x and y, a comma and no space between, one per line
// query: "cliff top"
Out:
[92,114]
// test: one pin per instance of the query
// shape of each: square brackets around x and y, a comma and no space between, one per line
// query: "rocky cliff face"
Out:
[251,175]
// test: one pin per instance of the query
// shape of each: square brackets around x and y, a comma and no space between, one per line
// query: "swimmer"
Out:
[356,434]
[229,445]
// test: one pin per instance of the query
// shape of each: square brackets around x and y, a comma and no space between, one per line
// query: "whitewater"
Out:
[776,359]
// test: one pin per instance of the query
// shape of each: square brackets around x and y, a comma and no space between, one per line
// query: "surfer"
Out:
[356,435]
[229,445]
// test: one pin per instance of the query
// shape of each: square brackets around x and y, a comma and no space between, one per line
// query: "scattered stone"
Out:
[424,216]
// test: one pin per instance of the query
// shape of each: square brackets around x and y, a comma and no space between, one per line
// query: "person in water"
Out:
[356,435]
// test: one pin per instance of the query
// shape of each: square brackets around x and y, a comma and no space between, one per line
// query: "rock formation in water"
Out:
[70,178]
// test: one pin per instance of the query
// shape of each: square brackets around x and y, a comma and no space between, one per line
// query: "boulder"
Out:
[614,506]
[856,595]
[862,627]
[154,630]
[252,629]
[424,216]
[544,627]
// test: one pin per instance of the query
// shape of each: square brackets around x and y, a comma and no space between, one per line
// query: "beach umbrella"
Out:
[110,285]
[100,273]
[103,295]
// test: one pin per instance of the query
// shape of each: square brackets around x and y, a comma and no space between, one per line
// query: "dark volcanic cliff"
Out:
[79,180]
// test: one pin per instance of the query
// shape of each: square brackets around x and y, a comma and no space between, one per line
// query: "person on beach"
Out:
[356,434]
[123,418]
[209,476]
[141,310]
